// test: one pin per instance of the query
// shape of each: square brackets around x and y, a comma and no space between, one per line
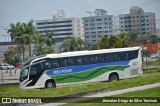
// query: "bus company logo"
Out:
[6,100]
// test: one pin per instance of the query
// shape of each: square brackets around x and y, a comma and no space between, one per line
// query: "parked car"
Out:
[153,56]
[18,65]
[6,66]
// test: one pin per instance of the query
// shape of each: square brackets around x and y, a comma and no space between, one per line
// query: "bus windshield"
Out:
[24,73]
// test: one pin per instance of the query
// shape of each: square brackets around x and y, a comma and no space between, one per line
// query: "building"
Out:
[61,27]
[98,25]
[158,32]
[137,19]
[4,47]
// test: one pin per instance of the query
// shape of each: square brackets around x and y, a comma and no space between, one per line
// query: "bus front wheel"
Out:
[113,77]
[50,84]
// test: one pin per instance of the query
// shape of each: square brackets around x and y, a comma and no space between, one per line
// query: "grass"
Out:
[151,71]
[152,92]
[14,90]
[152,62]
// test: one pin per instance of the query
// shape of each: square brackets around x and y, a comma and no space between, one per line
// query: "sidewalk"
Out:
[151,66]
[9,76]
[105,94]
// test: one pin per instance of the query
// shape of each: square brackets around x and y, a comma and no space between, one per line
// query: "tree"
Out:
[73,44]
[132,37]
[49,40]
[123,40]
[29,33]
[153,38]
[103,42]
[42,45]
[16,32]
[11,57]
[114,42]
[22,33]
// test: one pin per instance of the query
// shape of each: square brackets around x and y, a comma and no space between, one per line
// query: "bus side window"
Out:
[86,60]
[70,61]
[101,58]
[121,56]
[93,59]
[78,60]
[62,62]
[35,69]
[133,54]
[55,63]
[47,64]
[108,57]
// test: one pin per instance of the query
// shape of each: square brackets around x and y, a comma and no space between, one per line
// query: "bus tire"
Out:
[50,84]
[113,77]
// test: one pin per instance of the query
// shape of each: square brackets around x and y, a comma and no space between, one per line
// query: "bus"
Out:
[51,70]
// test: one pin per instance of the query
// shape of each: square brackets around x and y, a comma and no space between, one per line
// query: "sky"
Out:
[13,11]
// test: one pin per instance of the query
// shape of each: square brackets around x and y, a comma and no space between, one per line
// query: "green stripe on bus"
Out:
[85,75]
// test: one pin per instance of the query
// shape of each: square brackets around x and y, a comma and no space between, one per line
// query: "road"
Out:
[111,93]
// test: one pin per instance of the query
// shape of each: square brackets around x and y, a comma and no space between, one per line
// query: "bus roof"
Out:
[89,52]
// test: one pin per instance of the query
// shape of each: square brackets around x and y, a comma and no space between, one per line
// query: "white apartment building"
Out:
[137,19]
[61,27]
[98,25]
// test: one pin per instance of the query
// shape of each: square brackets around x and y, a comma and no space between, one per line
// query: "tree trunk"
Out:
[30,49]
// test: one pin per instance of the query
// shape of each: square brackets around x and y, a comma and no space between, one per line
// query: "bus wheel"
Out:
[113,77]
[50,84]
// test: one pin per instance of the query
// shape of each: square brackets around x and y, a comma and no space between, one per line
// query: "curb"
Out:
[8,84]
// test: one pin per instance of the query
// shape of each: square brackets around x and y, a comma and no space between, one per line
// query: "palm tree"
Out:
[16,32]
[49,40]
[103,42]
[38,47]
[30,31]
[43,45]
[73,44]
[123,40]
[22,33]
[114,42]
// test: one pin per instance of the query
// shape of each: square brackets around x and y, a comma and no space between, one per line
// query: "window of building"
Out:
[99,27]
[85,20]
[92,20]
[98,19]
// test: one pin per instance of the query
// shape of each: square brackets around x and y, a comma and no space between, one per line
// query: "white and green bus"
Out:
[67,68]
